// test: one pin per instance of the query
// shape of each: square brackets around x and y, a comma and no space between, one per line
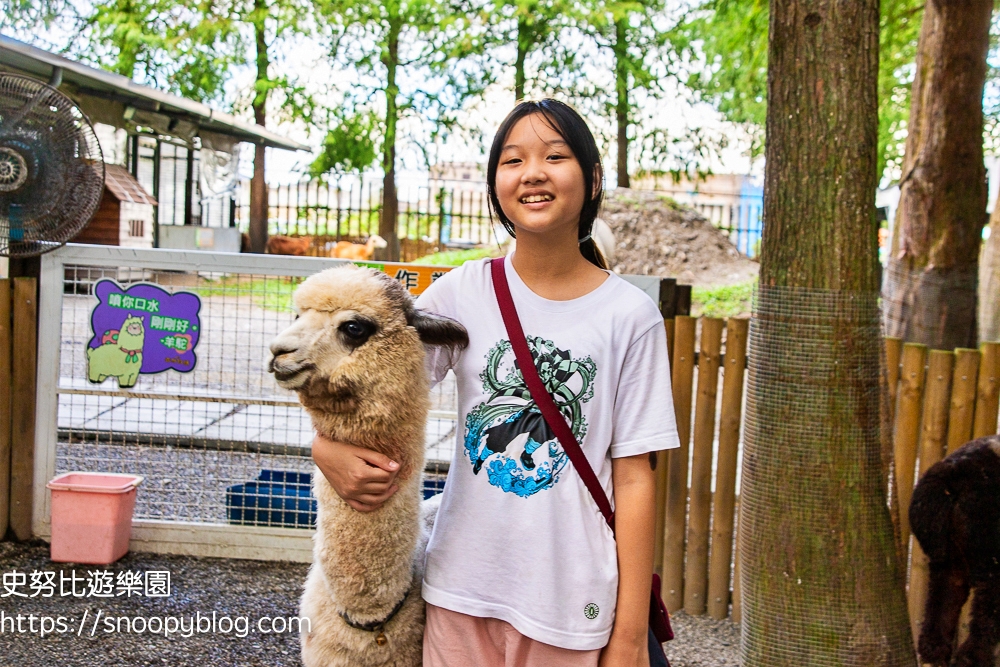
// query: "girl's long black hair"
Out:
[565,121]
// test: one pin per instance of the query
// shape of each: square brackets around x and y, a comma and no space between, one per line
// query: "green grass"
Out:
[455,257]
[268,293]
[670,202]
[725,301]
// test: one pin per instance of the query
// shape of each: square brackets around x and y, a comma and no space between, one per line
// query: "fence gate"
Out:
[203,421]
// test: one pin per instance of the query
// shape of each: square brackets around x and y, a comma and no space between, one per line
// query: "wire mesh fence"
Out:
[220,442]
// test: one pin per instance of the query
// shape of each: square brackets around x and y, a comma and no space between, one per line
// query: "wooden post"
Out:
[669,326]
[737,586]
[668,305]
[724,501]
[907,429]
[5,385]
[683,300]
[677,464]
[662,472]
[988,393]
[963,398]
[700,512]
[662,480]
[934,434]
[22,449]
[984,424]
[893,352]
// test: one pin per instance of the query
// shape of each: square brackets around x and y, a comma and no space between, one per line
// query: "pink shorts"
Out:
[452,639]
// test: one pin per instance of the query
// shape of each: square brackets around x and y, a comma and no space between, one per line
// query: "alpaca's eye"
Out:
[356,332]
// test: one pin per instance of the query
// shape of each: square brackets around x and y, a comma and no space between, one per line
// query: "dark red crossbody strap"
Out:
[551,413]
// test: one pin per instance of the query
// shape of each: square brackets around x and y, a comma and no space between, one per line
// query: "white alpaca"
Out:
[355,356]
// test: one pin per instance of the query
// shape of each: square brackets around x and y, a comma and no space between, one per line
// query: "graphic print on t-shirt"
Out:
[509,420]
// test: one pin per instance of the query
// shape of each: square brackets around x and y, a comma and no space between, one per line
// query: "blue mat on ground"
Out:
[276,498]
[283,498]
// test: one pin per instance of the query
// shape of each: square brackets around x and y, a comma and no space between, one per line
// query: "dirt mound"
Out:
[655,236]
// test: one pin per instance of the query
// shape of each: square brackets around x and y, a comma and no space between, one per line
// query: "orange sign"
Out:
[414,277]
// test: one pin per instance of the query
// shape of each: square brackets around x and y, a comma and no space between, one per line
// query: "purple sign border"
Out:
[105,286]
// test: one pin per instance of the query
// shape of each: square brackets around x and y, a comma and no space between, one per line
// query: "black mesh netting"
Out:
[820,580]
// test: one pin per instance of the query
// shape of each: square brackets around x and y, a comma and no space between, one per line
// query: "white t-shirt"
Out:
[518,536]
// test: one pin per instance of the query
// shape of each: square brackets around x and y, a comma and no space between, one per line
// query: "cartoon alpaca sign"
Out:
[141,329]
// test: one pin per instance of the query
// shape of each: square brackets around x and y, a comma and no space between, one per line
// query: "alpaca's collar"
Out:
[376,626]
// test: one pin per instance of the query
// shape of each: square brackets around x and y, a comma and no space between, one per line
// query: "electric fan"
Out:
[51,167]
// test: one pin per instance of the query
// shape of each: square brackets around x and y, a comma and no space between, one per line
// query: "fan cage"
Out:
[51,167]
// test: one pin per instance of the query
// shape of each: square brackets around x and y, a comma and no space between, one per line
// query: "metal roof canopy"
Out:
[92,82]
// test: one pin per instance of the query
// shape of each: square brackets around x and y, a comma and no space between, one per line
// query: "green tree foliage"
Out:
[352,144]
[538,25]
[628,31]
[529,36]
[31,14]
[730,38]
[185,50]
[190,49]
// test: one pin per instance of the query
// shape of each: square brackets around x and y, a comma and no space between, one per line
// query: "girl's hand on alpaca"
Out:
[363,478]
[624,651]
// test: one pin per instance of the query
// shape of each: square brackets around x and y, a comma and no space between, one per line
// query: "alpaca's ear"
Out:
[437,330]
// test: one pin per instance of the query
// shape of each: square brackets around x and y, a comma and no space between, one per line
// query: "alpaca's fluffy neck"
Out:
[367,558]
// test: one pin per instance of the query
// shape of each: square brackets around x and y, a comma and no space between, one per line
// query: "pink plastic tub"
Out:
[92,516]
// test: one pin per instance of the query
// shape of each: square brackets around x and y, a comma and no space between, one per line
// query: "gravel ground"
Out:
[234,588]
[656,237]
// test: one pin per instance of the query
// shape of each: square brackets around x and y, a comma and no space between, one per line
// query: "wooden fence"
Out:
[939,400]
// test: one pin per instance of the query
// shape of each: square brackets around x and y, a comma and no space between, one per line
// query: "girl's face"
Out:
[539,182]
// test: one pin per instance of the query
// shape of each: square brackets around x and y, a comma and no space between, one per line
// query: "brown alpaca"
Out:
[358,251]
[355,356]
[289,245]
[955,515]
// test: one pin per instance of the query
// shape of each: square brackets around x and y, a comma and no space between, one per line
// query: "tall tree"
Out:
[820,580]
[628,29]
[538,24]
[529,36]
[989,259]
[258,182]
[989,282]
[930,288]
[386,41]
[729,38]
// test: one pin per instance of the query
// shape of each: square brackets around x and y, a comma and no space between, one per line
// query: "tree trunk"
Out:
[390,202]
[930,287]
[989,282]
[258,184]
[820,580]
[621,101]
[523,44]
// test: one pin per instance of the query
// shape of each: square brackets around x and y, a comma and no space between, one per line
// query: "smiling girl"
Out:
[522,569]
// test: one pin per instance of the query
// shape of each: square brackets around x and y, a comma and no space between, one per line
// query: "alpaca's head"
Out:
[132,333]
[357,336]
[376,241]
